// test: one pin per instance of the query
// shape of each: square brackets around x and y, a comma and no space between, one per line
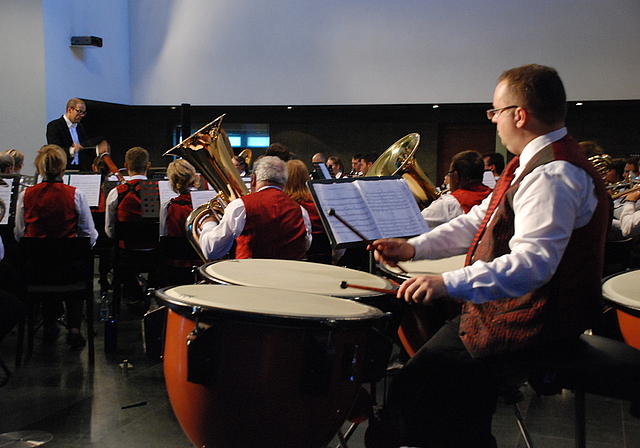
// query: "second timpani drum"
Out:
[421,322]
[300,276]
[252,367]
[622,291]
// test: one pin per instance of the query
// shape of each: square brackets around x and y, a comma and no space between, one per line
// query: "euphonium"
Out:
[208,150]
[399,160]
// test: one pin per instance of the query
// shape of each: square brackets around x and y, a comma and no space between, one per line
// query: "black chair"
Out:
[617,256]
[179,261]
[53,268]
[135,253]
[598,366]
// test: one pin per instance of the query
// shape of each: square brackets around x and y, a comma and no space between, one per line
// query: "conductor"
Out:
[68,133]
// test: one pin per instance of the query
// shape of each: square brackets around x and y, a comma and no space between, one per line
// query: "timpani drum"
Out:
[423,321]
[622,291]
[253,367]
[299,276]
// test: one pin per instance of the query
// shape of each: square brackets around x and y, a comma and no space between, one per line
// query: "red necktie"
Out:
[498,192]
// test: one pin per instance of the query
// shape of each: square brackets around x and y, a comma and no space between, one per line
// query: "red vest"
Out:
[177,213]
[274,227]
[564,307]
[50,211]
[468,198]
[129,204]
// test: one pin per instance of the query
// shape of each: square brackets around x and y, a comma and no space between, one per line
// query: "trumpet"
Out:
[624,193]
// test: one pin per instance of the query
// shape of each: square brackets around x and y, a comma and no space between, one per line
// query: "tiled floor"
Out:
[56,391]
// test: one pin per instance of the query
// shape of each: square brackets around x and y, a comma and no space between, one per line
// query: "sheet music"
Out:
[376,207]
[347,201]
[199,197]
[89,184]
[393,207]
[165,191]
[5,195]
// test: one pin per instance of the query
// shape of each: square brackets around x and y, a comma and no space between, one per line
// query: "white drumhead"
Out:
[270,302]
[302,276]
[418,267]
[624,289]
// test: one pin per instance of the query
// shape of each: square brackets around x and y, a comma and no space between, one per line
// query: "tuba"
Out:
[399,160]
[209,151]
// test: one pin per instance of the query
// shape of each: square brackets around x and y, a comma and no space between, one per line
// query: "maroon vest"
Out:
[274,227]
[564,307]
[177,213]
[129,204]
[50,211]
[468,198]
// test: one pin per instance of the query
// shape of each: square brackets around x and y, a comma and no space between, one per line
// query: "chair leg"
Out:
[20,341]
[523,428]
[90,329]
[580,418]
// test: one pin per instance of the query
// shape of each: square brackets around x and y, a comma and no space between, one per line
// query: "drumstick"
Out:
[332,212]
[345,285]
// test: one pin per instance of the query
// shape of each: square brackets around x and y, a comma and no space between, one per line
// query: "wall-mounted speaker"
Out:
[86,41]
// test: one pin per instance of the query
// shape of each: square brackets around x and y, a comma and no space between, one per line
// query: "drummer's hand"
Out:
[391,250]
[422,289]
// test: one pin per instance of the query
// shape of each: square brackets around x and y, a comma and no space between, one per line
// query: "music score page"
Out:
[376,207]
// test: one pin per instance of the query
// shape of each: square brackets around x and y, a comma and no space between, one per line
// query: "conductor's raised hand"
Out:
[391,250]
[422,289]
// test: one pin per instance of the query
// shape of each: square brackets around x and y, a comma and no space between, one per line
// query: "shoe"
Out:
[50,334]
[75,340]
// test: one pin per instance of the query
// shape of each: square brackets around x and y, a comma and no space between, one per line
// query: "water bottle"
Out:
[104,308]
[111,335]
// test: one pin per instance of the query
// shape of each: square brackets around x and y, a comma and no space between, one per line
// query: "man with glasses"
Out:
[68,133]
[531,284]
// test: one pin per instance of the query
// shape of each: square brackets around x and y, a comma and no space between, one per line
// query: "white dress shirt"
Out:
[216,239]
[442,210]
[630,219]
[85,220]
[552,201]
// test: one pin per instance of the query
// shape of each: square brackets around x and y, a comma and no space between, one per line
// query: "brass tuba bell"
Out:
[209,151]
[399,160]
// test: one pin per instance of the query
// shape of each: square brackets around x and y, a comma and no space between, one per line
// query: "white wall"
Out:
[22,79]
[100,74]
[241,52]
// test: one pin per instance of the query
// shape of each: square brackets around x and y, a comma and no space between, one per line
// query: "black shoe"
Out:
[75,340]
[50,334]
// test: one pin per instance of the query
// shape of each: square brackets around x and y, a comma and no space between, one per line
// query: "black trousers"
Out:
[443,397]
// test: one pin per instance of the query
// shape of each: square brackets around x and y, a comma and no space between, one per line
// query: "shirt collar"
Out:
[69,123]
[537,144]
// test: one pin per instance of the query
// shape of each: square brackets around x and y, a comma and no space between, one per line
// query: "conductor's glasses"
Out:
[495,112]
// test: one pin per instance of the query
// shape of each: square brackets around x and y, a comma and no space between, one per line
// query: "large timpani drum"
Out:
[252,367]
[421,322]
[623,292]
[300,276]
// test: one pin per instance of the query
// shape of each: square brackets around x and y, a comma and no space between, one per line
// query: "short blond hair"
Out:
[137,160]
[51,161]
[182,176]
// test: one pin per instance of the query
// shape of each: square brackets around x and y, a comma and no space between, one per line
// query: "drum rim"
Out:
[193,312]
[625,304]
[355,296]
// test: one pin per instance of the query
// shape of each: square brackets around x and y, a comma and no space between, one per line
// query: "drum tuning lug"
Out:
[195,310]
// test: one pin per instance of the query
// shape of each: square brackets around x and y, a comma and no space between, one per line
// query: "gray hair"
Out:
[270,169]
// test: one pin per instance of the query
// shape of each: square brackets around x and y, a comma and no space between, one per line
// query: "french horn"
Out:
[399,160]
[209,151]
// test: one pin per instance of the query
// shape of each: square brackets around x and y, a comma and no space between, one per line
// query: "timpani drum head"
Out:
[290,275]
[419,267]
[246,300]
[623,289]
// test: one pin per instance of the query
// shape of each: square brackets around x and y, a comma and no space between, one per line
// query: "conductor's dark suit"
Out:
[58,134]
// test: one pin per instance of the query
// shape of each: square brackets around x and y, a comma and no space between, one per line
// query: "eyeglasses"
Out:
[450,173]
[495,112]
[81,112]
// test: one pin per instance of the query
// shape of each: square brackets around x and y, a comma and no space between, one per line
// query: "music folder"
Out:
[377,207]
